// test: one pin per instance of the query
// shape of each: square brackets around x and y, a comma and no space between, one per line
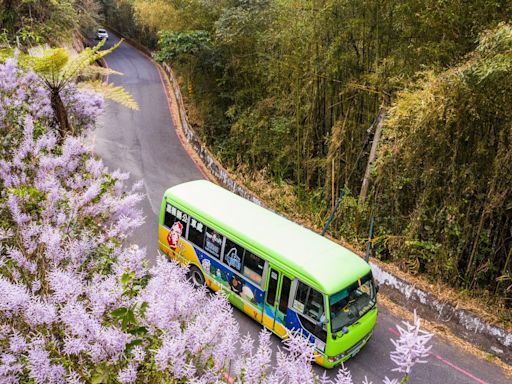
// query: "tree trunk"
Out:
[60,113]
[373,151]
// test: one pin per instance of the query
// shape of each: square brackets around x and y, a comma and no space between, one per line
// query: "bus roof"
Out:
[324,263]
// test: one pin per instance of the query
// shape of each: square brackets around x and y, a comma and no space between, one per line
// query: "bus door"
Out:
[278,294]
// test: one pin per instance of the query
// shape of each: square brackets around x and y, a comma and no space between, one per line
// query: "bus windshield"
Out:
[351,303]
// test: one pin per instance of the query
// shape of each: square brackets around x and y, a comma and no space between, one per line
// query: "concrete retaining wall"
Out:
[466,325]
[211,163]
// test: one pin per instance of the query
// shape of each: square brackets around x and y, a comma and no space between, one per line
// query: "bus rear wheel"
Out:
[195,276]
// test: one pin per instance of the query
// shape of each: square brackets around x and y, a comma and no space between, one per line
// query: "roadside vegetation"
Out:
[79,303]
[26,23]
[288,95]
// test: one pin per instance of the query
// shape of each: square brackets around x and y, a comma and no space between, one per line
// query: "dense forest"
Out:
[296,90]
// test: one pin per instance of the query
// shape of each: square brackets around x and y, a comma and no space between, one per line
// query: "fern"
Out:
[56,67]
[111,92]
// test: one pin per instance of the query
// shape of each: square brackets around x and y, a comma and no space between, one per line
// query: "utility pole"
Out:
[373,151]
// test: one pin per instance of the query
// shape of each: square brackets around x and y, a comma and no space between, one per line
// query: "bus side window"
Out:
[172,215]
[309,301]
[285,294]
[233,255]
[213,242]
[253,267]
[168,216]
[196,232]
[301,295]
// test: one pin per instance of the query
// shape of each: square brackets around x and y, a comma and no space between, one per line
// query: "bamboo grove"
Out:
[293,88]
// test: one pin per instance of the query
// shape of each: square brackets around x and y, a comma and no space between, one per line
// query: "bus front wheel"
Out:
[195,276]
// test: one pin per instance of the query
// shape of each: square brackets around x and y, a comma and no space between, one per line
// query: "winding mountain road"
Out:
[145,144]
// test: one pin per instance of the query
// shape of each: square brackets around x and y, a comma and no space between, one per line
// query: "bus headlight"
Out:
[351,351]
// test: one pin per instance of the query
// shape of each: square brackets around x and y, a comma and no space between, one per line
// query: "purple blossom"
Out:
[344,376]
[51,237]
[18,216]
[21,94]
[131,259]
[324,379]
[38,312]
[9,367]
[74,345]
[65,285]
[41,368]
[6,234]
[17,343]
[411,347]
[113,341]
[13,297]
[104,293]
[29,233]
[171,353]
[128,375]
[73,378]
[21,260]
[294,367]
[257,365]
[139,354]
[77,321]
[83,106]
[94,167]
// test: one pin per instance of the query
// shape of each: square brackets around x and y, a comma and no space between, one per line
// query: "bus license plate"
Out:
[355,352]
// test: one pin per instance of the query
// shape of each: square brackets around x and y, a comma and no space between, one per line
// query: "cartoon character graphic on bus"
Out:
[236,285]
[174,235]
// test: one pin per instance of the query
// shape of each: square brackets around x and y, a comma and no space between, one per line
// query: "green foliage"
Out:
[445,168]
[112,92]
[293,87]
[32,22]
[174,45]
[103,374]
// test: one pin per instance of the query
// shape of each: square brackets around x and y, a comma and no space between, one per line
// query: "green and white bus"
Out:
[278,272]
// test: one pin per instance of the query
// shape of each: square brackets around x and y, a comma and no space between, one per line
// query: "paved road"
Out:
[145,144]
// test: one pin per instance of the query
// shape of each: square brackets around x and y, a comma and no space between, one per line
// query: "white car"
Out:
[101,34]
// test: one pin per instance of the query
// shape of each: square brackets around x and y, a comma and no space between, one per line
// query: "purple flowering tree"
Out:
[59,72]
[78,303]
[22,94]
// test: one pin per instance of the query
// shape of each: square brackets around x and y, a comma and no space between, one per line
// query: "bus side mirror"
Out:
[320,325]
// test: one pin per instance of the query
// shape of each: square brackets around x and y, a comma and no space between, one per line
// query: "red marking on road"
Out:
[459,369]
[448,363]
